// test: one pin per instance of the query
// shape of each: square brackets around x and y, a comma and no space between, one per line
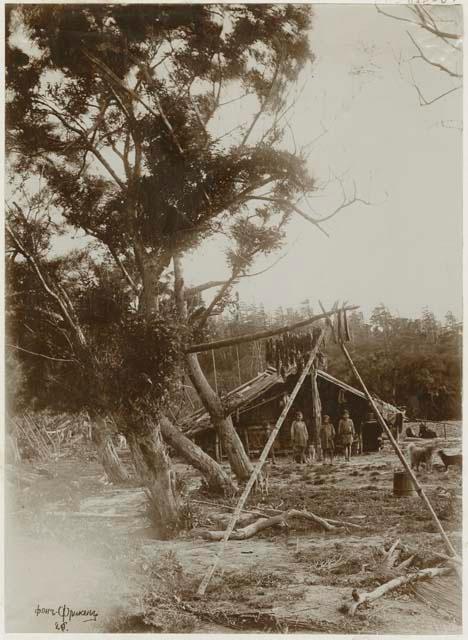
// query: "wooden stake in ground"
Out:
[258,467]
[394,443]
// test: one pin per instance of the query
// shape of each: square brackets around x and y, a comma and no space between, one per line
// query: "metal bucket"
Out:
[402,485]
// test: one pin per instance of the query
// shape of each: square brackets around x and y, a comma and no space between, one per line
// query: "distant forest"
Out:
[415,363]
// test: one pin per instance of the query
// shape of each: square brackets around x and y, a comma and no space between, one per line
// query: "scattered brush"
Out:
[166,585]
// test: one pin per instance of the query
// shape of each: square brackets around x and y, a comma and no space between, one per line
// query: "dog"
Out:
[425,432]
[451,460]
[262,484]
[311,454]
[421,455]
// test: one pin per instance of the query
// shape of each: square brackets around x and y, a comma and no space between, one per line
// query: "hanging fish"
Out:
[340,325]
[347,334]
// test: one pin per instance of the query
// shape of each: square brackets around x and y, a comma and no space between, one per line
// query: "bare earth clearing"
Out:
[78,542]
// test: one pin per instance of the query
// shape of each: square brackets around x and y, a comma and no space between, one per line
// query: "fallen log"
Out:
[343,523]
[90,514]
[222,520]
[250,530]
[308,515]
[263,514]
[263,523]
[364,597]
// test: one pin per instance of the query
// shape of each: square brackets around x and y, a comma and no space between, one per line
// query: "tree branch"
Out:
[218,283]
[289,205]
[438,65]
[421,25]
[41,355]
[262,107]
[82,135]
[123,269]
[203,287]
[206,314]
[67,312]
[423,101]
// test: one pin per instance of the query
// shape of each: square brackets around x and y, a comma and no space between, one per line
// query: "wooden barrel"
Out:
[403,485]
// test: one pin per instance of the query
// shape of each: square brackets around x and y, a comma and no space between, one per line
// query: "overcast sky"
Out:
[405,249]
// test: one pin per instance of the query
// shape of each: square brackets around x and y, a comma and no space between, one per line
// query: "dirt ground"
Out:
[75,542]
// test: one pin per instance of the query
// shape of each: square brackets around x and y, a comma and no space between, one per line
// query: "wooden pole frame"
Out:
[394,443]
[258,335]
[258,467]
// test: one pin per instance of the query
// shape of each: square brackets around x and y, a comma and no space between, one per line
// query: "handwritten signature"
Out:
[66,614]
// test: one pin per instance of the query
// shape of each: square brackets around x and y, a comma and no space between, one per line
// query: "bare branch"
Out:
[289,205]
[421,25]
[438,65]
[203,287]
[123,269]
[244,95]
[216,299]
[346,203]
[218,283]
[41,355]
[423,101]
[63,302]
[83,136]
[262,106]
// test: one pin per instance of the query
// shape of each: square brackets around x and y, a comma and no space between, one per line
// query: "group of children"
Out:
[329,438]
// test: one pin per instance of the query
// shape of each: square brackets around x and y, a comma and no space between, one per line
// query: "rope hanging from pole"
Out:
[238,365]
[214,370]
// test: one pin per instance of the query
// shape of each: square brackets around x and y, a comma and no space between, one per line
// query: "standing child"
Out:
[327,439]
[299,438]
[346,434]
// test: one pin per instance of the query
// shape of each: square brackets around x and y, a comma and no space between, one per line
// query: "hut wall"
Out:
[267,407]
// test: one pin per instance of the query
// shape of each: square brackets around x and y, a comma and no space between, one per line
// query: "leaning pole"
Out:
[258,467]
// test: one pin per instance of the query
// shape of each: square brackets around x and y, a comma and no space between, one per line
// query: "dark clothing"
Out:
[327,437]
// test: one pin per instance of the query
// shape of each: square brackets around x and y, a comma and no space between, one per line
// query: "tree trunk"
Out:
[230,439]
[107,454]
[218,481]
[154,467]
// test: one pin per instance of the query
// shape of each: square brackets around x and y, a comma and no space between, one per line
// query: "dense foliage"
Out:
[110,113]
[134,360]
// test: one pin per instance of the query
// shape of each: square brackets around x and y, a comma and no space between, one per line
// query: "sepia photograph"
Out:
[233,318]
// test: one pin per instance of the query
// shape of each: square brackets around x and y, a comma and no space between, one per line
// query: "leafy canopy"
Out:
[114,107]
[118,109]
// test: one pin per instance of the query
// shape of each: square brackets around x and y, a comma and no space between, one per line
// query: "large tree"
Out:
[130,115]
